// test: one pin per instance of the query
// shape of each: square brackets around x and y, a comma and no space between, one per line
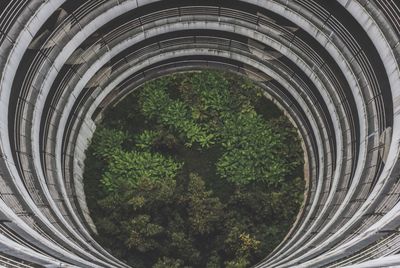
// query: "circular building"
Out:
[332,66]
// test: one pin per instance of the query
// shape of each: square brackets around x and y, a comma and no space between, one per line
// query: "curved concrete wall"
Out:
[332,66]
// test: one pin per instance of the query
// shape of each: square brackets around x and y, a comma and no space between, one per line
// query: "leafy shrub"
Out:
[107,141]
[168,263]
[156,104]
[251,151]
[142,233]
[155,211]
[146,139]
[132,166]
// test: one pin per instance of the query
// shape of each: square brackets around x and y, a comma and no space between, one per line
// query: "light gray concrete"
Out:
[351,213]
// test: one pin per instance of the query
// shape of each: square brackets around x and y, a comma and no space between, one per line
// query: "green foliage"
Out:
[156,104]
[159,203]
[214,261]
[106,141]
[204,210]
[142,233]
[291,151]
[168,263]
[241,244]
[238,263]
[146,139]
[211,92]
[133,166]
[154,98]
[182,244]
[252,151]
[252,147]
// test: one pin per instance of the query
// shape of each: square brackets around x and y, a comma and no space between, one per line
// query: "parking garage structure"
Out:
[332,68]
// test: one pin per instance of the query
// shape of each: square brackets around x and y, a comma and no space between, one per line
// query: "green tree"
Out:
[107,141]
[156,104]
[237,263]
[132,166]
[153,209]
[146,139]
[168,263]
[252,151]
[204,210]
[183,245]
[142,233]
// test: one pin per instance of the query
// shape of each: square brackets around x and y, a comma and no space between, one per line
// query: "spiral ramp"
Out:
[332,66]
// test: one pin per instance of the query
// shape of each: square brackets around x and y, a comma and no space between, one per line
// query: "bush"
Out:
[106,142]
[252,151]
[130,167]
[147,139]
[156,104]
[154,207]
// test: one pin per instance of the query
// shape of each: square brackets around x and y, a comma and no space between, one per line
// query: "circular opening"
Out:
[194,169]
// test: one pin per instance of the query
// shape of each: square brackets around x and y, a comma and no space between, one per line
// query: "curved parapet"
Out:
[331,66]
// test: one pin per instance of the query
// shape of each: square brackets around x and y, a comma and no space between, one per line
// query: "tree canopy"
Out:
[194,170]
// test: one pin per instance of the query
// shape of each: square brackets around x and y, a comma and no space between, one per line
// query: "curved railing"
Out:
[332,67]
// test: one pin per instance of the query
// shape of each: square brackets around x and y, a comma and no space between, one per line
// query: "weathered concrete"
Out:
[347,111]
